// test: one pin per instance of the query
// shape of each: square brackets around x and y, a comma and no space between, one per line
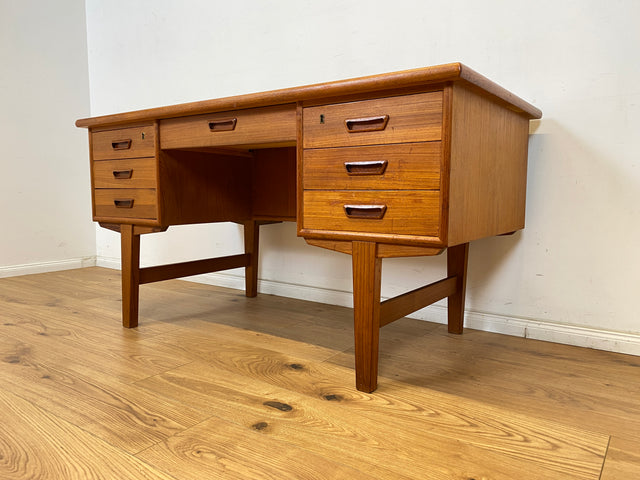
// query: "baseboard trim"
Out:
[44,267]
[619,342]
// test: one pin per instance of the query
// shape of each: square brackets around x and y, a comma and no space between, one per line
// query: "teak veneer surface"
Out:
[455,72]
[254,388]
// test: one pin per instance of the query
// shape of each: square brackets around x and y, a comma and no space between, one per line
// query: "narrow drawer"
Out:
[407,118]
[124,143]
[128,173]
[410,166]
[126,203]
[407,212]
[267,126]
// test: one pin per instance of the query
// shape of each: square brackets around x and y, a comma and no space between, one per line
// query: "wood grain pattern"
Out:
[457,261]
[412,166]
[412,118]
[384,250]
[143,173]
[202,187]
[257,127]
[239,388]
[409,212]
[367,277]
[36,444]
[488,168]
[140,140]
[273,186]
[145,203]
[130,281]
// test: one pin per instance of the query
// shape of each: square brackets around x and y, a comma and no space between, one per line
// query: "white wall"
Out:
[45,199]
[572,275]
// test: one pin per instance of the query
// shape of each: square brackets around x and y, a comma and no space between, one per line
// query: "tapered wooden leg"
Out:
[251,242]
[367,271]
[130,253]
[457,266]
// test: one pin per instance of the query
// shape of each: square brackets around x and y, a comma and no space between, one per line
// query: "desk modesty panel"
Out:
[408,163]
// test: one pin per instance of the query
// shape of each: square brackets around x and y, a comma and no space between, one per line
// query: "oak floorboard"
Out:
[623,460]
[35,444]
[217,448]
[200,390]
[125,415]
[436,423]
[599,391]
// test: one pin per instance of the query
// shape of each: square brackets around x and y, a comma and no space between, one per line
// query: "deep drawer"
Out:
[254,127]
[407,212]
[124,143]
[412,166]
[406,118]
[126,203]
[128,173]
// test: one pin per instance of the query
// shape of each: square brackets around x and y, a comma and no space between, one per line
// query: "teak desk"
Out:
[401,164]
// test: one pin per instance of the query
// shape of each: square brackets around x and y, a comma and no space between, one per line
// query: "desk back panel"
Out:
[200,187]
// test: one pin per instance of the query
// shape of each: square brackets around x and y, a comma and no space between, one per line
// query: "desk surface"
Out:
[408,79]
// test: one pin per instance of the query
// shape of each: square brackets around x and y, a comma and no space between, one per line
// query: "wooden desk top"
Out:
[416,78]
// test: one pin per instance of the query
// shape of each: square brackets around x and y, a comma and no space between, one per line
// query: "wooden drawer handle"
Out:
[376,167]
[122,174]
[121,144]
[371,212]
[225,125]
[369,124]
[125,203]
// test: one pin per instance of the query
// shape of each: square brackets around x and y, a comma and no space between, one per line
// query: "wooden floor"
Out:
[215,385]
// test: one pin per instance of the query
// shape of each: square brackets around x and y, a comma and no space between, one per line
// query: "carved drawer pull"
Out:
[370,212]
[122,174]
[366,168]
[369,124]
[121,144]
[225,125]
[124,203]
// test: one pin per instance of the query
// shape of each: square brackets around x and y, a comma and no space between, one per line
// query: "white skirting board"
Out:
[619,342]
[43,267]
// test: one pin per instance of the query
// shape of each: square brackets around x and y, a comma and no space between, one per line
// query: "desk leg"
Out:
[367,273]
[457,266]
[251,242]
[130,253]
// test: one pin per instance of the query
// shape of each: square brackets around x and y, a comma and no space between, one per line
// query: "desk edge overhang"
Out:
[451,72]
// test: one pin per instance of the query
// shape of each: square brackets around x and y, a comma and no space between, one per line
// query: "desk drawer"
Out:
[128,173]
[406,118]
[124,143]
[411,166]
[267,126]
[126,203]
[408,212]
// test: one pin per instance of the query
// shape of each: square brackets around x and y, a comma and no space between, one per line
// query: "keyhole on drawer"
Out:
[142,135]
[322,118]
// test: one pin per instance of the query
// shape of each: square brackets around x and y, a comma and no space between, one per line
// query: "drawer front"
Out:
[128,173]
[253,127]
[407,212]
[402,119]
[126,203]
[411,166]
[124,143]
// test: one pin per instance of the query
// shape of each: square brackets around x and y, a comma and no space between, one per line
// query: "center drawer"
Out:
[273,126]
